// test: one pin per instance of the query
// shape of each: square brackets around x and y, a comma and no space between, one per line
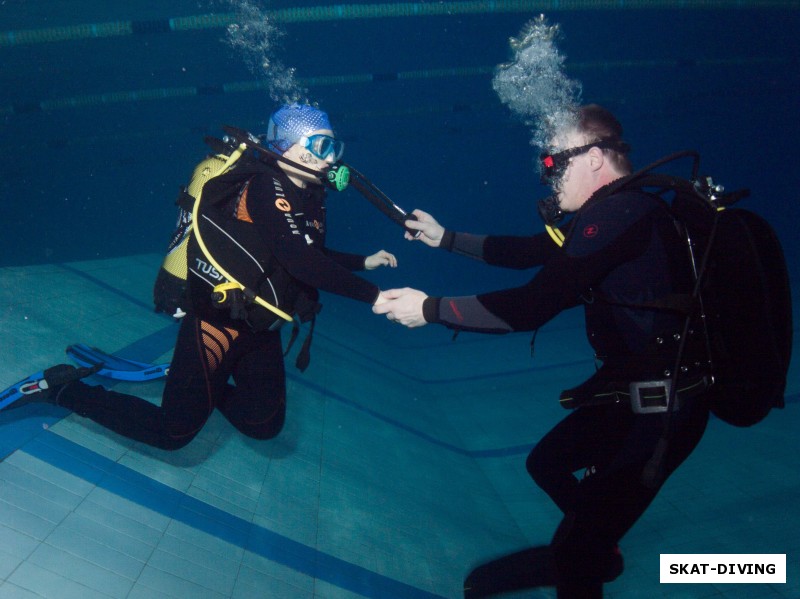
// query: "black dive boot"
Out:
[526,569]
[46,387]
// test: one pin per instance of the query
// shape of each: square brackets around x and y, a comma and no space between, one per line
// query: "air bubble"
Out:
[534,85]
[254,36]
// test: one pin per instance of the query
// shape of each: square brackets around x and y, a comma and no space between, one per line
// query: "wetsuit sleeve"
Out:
[301,259]
[556,287]
[502,250]
[352,262]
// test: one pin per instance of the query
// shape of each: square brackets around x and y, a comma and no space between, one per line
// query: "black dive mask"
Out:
[555,165]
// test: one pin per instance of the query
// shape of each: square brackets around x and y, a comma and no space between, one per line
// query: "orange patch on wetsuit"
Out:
[282,205]
[241,204]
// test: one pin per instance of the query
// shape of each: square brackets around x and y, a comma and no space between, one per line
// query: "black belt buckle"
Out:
[646,400]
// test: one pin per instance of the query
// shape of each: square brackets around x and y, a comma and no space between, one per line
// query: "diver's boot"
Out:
[52,381]
[526,569]
[59,376]
[605,569]
[615,565]
[579,590]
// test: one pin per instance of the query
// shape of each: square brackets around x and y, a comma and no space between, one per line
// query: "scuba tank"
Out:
[169,291]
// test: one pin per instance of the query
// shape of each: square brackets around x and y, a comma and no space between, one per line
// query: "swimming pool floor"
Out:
[401,465]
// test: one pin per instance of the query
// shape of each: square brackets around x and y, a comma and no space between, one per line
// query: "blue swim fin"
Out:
[26,386]
[114,367]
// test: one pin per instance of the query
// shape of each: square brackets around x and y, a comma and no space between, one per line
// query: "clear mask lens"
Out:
[325,146]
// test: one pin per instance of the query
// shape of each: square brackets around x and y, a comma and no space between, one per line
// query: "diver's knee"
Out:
[538,465]
[174,443]
[263,435]
[264,431]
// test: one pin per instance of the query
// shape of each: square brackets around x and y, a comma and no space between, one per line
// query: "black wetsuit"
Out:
[620,251]
[213,347]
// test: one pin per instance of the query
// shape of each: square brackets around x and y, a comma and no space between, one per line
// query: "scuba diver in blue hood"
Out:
[620,254]
[262,222]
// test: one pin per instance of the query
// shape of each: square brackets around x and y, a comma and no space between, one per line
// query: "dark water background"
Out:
[97,181]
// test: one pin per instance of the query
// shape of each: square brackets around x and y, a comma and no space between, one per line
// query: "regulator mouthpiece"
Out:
[550,210]
[339,177]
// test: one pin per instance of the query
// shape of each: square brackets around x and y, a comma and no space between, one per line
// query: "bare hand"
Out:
[380,299]
[428,230]
[403,306]
[380,258]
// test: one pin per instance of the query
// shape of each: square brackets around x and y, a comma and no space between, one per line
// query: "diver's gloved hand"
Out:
[380,258]
[429,231]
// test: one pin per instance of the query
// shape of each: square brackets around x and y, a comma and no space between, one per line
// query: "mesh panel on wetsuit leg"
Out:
[216,343]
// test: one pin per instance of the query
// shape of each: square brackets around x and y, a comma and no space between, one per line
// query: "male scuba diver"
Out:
[268,225]
[620,252]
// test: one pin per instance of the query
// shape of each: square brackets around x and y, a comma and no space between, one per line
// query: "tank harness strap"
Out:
[644,397]
[306,314]
[185,200]
[304,355]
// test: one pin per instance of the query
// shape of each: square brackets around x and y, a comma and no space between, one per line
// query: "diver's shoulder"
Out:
[631,201]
